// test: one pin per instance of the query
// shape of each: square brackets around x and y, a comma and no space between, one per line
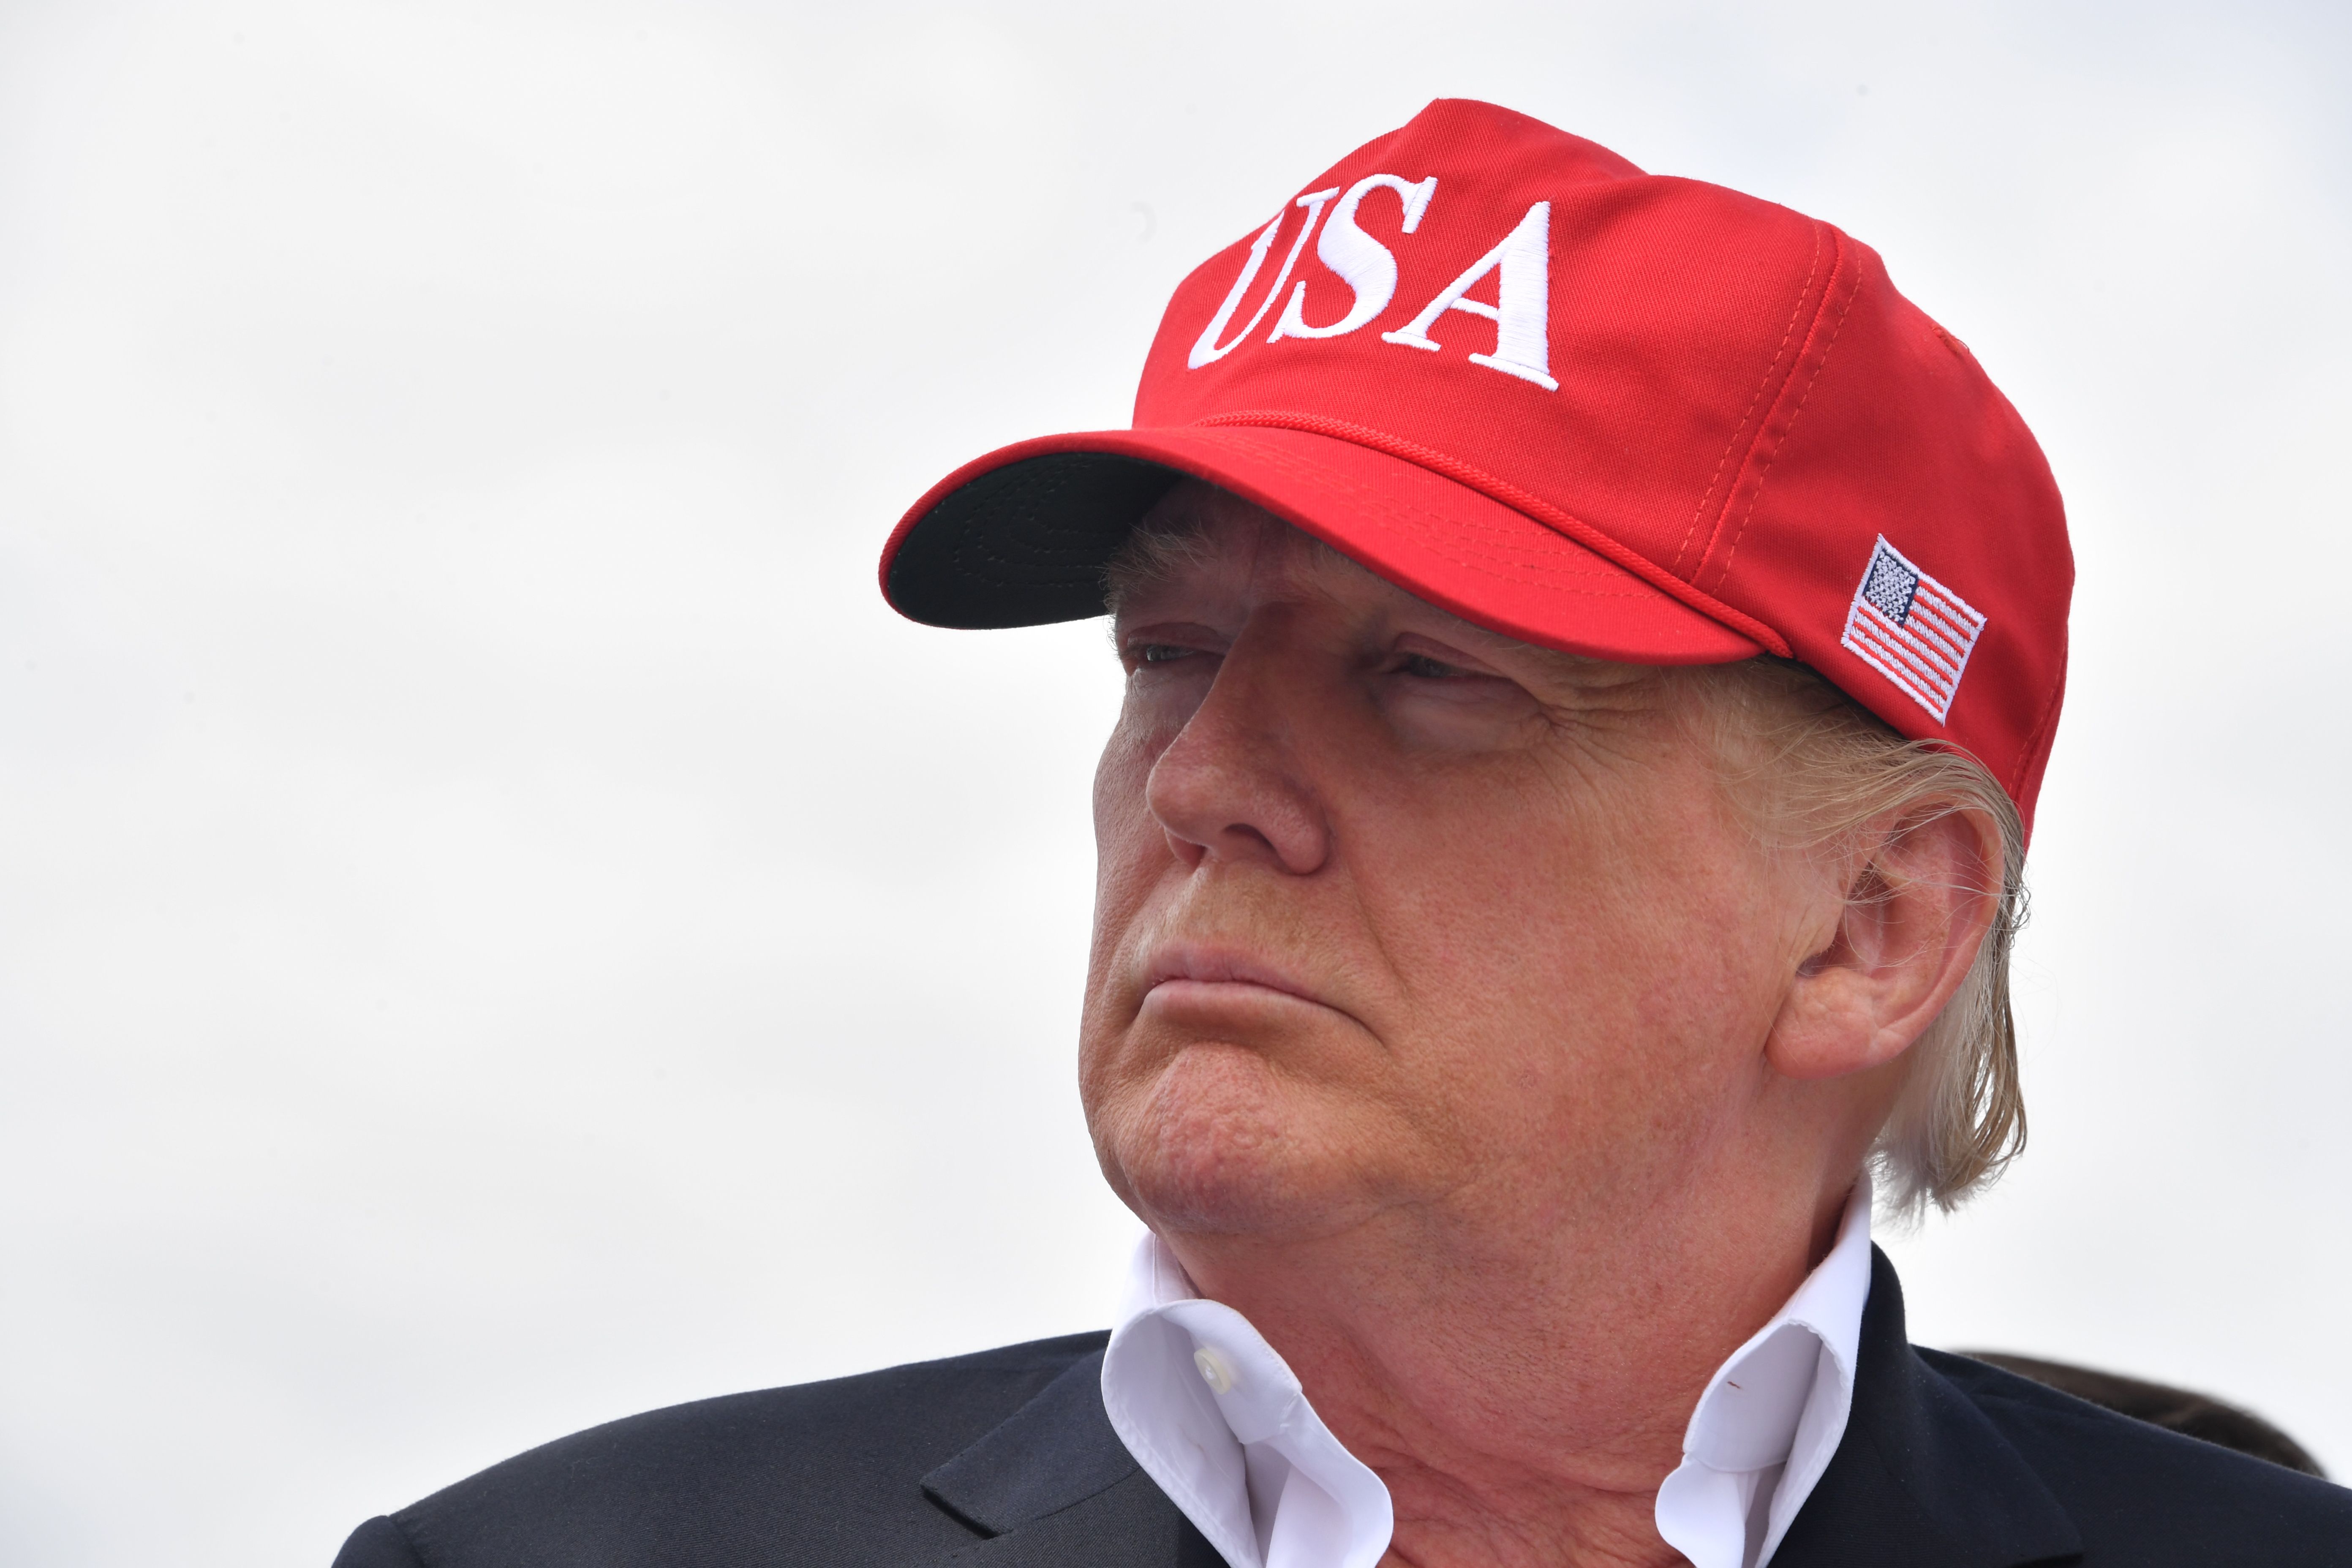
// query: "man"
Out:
[1593,648]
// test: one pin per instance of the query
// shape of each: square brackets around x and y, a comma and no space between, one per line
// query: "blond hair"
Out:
[1829,770]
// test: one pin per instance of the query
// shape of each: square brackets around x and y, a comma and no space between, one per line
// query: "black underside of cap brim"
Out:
[1026,545]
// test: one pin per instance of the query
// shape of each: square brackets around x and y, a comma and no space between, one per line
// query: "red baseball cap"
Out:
[1622,414]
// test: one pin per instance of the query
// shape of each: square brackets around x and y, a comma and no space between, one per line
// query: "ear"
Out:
[1914,915]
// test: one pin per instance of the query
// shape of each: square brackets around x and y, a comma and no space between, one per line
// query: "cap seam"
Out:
[2038,737]
[1747,515]
[1796,313]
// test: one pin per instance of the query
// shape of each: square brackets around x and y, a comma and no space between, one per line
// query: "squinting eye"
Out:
[1160,653]
[1428,668]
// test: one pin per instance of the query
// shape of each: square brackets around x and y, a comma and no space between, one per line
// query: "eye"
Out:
[1171,646]
[1161,652]
[1421,667]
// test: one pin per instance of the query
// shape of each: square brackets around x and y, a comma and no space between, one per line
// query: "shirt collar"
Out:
[1215,1416]
[1773,1413]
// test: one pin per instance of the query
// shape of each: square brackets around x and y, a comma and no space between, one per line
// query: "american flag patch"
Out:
[1912,630]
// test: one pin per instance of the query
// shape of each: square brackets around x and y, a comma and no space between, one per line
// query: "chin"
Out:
[1215,1142]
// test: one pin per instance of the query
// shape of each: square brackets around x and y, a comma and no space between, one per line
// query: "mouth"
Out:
[1183,970]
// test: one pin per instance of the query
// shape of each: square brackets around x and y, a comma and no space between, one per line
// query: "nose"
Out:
[1233,785]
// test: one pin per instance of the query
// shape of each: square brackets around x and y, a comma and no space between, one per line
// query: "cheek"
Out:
[1130,850]
[1127,841]
[1584,960]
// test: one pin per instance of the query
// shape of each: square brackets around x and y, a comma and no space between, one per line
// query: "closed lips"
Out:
[1219,969]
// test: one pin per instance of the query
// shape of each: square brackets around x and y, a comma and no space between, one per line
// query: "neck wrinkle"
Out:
[1430,1389]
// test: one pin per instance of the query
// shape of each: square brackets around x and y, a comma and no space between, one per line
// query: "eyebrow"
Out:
[1155,552]
[1162,548]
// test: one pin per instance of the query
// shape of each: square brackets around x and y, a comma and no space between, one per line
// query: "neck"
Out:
[1522,1389]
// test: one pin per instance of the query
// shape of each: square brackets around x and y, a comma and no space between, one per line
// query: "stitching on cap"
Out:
[1811,271]
[2037,738]
[1394,517]
[1510,495]
[1812,382]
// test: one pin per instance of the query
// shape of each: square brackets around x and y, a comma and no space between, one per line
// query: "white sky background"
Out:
[501,928]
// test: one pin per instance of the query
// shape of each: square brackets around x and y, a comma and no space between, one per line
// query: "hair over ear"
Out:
[1814,768]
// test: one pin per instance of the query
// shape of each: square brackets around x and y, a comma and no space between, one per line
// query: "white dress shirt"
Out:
[1216,1417]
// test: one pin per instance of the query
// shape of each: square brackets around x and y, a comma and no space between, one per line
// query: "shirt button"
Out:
[1214,1372]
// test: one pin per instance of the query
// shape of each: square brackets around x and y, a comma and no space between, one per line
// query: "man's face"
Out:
[1395,913]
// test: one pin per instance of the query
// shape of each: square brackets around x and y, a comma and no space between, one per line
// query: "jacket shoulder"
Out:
[2141,1494]
[820,1472]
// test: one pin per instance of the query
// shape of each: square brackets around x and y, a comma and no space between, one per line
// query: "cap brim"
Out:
[1021,536]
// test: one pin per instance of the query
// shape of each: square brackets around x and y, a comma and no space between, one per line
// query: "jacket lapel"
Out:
[1921,1477]
[1053,1487]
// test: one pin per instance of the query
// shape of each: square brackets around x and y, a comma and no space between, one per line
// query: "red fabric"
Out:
[1745,405]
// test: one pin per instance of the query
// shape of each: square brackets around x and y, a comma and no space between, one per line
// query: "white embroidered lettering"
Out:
[1522,311]
[1363,263]
[1207,351]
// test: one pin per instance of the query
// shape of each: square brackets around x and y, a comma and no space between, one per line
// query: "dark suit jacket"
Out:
[1006,1459]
